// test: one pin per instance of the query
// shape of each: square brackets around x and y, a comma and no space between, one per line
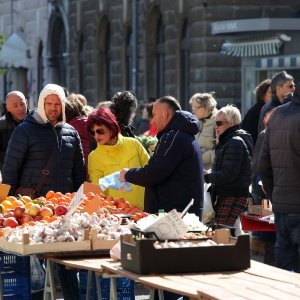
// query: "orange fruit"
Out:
[11,198]
[49,194]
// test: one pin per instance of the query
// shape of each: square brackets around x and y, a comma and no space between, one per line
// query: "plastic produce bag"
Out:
[208,210]
[112,181]
[37,274]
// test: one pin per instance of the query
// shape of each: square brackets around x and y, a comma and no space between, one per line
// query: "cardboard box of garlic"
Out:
[222,253]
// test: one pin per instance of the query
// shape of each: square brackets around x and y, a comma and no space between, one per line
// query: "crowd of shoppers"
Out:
[77,143]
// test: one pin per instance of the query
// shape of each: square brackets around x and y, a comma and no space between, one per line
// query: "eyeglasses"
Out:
[220,123]
[98,131]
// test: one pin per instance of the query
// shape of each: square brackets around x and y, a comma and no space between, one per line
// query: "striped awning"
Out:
[263,46]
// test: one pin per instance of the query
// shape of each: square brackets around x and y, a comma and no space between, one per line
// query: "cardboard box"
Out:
[4,189]
[265,209]
[140,256]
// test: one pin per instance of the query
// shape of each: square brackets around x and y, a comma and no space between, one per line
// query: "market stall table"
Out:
[258,282]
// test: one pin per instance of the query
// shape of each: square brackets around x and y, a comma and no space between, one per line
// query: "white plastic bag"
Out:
[112,181]
[208,210]
[37,274]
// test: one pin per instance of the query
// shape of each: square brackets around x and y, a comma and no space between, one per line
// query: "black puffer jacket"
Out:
[29,149]
[7,126]
[231,171]
[174,174]
[280,159]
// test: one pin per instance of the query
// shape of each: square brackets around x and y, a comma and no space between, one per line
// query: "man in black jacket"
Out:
[174,174]
[43,131]
[279,169]
[16,110]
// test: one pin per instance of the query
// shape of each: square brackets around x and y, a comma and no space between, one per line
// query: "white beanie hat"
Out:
[51,89]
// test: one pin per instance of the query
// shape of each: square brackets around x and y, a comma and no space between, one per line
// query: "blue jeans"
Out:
[287,247]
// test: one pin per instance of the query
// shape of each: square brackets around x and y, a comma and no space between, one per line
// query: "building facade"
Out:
[152,47]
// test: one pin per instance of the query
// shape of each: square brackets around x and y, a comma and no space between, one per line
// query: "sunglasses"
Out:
[220,123]
[98,131]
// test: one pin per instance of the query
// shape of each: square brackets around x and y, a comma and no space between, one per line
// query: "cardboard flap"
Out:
[4,189]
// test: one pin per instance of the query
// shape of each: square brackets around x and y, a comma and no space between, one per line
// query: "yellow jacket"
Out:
[105,160]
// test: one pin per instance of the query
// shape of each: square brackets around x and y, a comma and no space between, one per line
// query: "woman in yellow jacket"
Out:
[113,153]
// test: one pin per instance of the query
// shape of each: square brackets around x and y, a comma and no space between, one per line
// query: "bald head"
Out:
[16,104]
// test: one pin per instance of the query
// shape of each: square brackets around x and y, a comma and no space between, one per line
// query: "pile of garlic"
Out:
[71,230]
[183,244]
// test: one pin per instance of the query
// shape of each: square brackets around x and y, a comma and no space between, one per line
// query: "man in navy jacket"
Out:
[174,174]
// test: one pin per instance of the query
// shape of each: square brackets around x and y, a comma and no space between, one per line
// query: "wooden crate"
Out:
[25,248]
[265,209]
[98,244]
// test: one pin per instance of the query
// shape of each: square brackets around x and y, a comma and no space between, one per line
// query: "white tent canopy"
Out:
[14,52]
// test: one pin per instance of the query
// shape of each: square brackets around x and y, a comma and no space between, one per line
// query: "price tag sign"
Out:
[74,203]
[169,226]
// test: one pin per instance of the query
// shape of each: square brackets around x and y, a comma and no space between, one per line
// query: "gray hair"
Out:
[279,79]
[205,99]
[15,93]
[231,114]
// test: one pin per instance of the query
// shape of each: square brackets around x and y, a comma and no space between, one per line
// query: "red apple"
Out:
[26,218]
[34,210]
[19,212]
[10,222]
[60,210]
[38,218]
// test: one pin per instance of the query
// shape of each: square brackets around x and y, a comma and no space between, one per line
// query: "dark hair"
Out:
[73,107]
[279,79]
[171,102]
[149,108]
[103,116]
[261,89]
[124,105]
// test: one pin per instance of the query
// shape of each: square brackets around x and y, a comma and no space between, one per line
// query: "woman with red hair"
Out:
[113,153]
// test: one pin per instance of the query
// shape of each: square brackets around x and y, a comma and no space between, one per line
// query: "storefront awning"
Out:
[14,52]
[268,45]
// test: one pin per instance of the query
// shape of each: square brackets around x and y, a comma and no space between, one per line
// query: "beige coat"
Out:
[206,140]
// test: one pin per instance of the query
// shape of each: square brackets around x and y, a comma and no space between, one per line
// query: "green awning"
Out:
[260,46]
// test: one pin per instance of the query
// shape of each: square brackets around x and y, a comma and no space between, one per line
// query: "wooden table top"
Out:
[261,281]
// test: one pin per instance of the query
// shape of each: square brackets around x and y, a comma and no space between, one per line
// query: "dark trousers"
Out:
[68,282]
[287,247]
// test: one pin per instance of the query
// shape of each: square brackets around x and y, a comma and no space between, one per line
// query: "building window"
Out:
[81,65]
[185,64]
[40,68]
[160,53]
[107,63]
[128,61]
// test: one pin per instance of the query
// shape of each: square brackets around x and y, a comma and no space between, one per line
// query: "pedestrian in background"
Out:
[263,95]
[204,107]
[231,171]
[282,84]
[16,110]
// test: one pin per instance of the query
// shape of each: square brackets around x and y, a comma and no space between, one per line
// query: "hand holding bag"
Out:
[208,210]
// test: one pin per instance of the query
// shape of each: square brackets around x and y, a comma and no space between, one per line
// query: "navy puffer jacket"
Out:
[231,171]
[29,149]
[174,174]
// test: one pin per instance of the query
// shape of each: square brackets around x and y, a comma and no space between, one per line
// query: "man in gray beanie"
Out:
[45,146]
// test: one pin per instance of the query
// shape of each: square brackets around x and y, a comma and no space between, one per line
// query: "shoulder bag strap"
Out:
[45,171]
